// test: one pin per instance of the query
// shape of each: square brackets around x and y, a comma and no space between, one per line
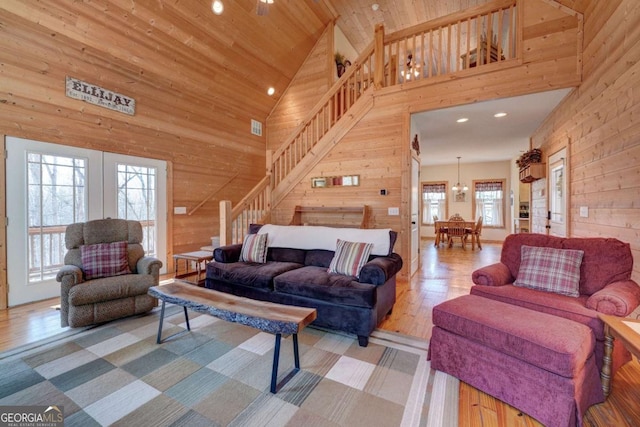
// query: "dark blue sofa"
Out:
[299,277]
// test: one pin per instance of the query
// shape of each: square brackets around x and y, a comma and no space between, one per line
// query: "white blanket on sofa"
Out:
[317,237]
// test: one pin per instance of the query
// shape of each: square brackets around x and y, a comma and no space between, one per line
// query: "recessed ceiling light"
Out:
[500,114]
[375,7]
[462,120]
[217,7]
[271,91]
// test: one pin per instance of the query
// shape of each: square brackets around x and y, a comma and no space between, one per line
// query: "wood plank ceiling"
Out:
[357,18]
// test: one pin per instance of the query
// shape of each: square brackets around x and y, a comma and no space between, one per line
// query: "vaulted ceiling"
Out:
[357,18]
[225,61]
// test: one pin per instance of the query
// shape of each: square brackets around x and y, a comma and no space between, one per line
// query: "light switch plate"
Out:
[394,211]
[179,210]
[584,211]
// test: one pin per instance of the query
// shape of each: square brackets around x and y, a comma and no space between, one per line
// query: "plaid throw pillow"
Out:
[350,257]
[104,260]
[550,269]
[254,248]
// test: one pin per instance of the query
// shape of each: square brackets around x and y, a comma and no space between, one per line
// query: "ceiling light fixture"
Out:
[271,91]
[501,114]
[462,120]
[459,187]
[217,7]
[263,7]
[413,68]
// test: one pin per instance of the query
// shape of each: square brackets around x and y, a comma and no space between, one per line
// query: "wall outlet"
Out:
[394,211]
[180,210]
[584,211]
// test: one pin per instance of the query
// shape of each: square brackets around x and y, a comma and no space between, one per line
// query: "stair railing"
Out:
[465,42]
[335,104]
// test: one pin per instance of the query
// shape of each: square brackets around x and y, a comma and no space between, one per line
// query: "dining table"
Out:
[441,223]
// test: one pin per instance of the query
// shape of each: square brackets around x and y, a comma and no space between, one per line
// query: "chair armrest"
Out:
[149,265]
[229,253]
[380,269]
[68,276]
[492,275]
[617,298]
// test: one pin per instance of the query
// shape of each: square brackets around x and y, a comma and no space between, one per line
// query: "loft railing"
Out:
[466,42]
[475,38]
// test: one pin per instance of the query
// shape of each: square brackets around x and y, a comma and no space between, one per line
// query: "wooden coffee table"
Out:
[277,319]
[616,328]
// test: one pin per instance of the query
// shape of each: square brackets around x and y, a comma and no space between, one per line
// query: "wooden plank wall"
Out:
[377,148]
[180,117]
[604,135]
[312,80]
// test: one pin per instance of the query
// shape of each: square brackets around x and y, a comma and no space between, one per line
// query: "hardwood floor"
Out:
[445,273]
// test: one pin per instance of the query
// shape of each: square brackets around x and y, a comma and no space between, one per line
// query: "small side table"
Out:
[197,257]
[615,327]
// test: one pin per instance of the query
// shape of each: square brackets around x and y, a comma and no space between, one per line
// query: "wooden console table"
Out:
[266,316]
[332,213]
[616,327]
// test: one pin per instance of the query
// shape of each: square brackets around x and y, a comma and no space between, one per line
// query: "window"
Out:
[434,201]
[56,185]
[488,202]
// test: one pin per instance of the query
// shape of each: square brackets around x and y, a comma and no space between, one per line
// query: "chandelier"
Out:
[412,68]
[459,187]
[263,7]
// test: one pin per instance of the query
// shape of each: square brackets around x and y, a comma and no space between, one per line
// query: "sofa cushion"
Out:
[550,270]
[605,261]
[317,283]
[249,274]
[105,260]
[561,346]
[558,305]
[254,248]
[350,257]
[319,257]
[286,255]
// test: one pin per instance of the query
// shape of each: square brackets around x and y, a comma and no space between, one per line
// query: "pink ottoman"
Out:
[542,364]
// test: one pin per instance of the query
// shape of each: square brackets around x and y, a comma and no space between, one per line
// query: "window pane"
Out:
[137,200]
[434,198]
[56,197]
[489,198]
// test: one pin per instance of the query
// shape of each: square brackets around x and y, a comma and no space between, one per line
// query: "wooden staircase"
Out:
[468,42]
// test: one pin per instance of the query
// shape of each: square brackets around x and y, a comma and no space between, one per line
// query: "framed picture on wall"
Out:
[460,197]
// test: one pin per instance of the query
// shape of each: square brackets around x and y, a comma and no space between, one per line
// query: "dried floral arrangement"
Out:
[531,156]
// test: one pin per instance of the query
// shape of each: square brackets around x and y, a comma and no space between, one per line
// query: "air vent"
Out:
[256,127]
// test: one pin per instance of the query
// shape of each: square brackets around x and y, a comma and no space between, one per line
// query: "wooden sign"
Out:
[96,95]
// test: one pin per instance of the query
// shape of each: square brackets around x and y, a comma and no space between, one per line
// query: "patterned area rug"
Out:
[219,374]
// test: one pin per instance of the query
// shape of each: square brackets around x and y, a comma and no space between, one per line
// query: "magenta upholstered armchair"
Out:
[605,284]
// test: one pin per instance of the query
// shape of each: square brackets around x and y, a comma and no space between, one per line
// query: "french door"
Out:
[558,194]
[50,186]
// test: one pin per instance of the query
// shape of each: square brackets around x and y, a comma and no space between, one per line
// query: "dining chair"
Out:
[439,230]
[475,234]
[456,228]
